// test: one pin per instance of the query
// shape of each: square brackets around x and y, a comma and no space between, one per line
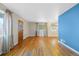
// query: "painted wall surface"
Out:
[54,20]
[15,28]
[32,28]
[69,27]
[53,29]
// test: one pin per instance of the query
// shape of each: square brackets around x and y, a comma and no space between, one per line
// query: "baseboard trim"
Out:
[69,47]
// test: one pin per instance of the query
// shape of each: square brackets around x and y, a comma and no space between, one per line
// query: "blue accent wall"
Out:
[69,27]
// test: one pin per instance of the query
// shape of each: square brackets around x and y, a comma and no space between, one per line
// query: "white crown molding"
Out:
[66,9]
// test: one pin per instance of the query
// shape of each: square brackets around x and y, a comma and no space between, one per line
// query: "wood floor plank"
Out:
[41,46]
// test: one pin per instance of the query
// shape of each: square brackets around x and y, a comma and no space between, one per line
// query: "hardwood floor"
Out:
[40,46]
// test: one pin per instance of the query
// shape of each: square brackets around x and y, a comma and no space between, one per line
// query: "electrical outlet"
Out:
[62,40]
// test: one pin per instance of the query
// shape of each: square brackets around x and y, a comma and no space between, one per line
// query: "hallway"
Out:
[41,46]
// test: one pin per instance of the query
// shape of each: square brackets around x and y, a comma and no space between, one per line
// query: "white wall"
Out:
[25,28]
[54,21]
[15,28]
[52,30]
[32,28]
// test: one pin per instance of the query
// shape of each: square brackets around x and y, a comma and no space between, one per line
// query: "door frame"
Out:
[20,32]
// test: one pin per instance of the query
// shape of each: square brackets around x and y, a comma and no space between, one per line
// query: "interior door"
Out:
[20,32]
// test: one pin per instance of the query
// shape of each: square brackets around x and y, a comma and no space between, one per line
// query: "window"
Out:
[1,25]
[1,30]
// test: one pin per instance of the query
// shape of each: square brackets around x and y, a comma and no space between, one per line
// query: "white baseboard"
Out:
[69,47]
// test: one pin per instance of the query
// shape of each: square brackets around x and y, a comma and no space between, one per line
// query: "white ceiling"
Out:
[39,11]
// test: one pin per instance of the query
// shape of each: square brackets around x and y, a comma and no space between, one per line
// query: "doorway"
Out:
[20,32]
[42,29]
